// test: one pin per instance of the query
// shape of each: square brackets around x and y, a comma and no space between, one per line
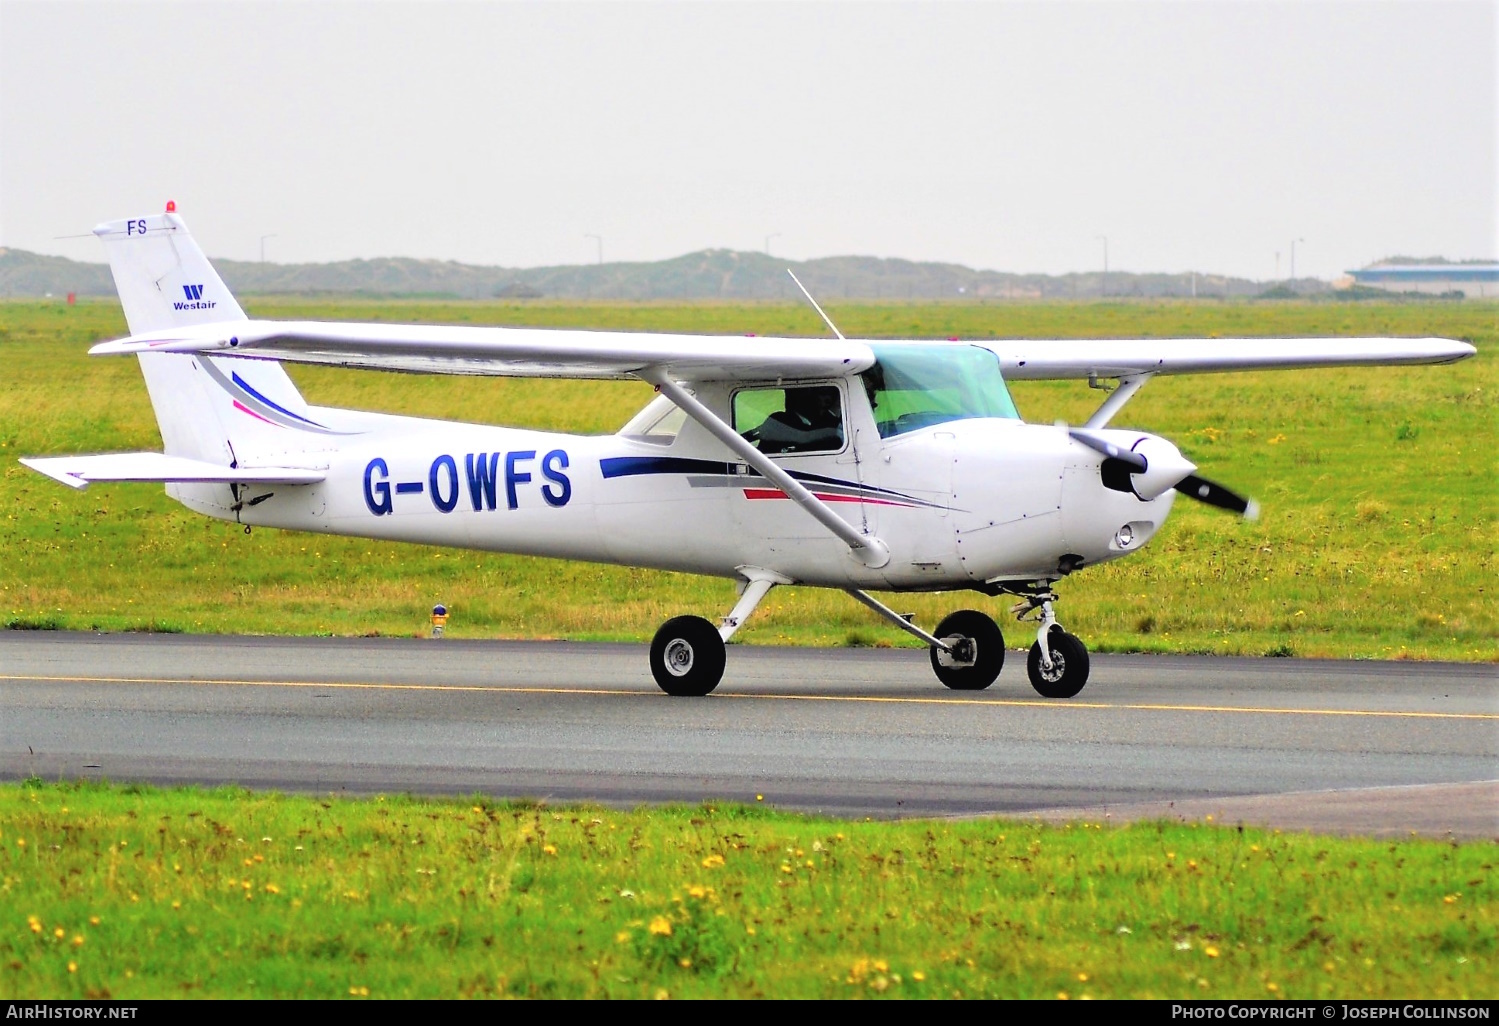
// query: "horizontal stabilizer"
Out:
[81,471]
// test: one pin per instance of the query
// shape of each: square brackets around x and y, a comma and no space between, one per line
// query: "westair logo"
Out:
[195,300]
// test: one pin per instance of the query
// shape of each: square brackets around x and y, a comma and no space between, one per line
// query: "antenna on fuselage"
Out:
[826,319]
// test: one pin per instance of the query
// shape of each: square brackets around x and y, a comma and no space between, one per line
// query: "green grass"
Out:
[136,893]
[1379,488]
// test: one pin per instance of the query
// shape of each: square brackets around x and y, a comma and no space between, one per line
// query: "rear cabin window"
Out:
[659,423]
[790,420]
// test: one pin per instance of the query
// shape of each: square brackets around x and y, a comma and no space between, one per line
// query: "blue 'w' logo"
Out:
[193,291]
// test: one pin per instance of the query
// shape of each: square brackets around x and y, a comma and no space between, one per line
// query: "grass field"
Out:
[132,893]
[1379,488]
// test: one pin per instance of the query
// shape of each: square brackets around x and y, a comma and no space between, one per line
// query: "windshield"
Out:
[916,386]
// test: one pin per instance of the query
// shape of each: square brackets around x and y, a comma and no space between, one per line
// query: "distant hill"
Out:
[708,274]
[32,274]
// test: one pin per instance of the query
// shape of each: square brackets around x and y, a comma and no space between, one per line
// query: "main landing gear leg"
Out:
[1058,661]
[968,650]
[687,653]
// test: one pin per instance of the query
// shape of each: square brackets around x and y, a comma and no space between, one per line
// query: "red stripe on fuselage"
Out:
[776,493]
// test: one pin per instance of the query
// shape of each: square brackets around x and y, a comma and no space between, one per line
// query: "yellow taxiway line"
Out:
[763,696]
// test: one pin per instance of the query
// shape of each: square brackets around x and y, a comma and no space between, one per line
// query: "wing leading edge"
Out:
[1036,359]
[509,352]
[540,352]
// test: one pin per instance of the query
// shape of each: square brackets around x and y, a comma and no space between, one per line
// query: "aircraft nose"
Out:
[1147,465]
[1164,467]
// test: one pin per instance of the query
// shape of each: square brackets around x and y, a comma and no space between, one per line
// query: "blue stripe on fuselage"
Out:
[636,466]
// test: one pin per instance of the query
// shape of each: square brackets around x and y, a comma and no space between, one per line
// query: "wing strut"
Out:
[1129,384]
[899,621]
[866,548]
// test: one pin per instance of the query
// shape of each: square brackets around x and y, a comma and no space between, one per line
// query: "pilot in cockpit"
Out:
[811,422]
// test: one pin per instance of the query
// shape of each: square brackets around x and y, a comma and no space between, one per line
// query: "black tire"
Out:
[1069,669]
[687,656]
[988,655]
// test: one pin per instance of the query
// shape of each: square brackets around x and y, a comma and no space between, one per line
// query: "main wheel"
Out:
[1069,666]
[980,666]
[687,656]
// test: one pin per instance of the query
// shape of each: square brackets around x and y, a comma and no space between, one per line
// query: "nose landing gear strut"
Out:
[1058,662]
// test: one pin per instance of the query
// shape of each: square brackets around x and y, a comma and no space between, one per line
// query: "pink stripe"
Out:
[245,409]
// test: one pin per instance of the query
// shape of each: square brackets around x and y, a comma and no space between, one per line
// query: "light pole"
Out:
[772,235]
[600,240]
[1105,239]
[262,245]
[1293,257]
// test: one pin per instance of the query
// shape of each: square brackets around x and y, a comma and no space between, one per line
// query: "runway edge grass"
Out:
[136,892]
[1379,487]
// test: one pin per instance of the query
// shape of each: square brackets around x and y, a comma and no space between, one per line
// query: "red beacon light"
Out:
[171,206]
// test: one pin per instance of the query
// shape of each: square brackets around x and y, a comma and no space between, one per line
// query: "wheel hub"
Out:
[964,652]
[678,658]
[1058,668]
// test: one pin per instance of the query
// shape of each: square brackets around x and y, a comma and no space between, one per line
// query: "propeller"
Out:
[1153,465]
[1214,494]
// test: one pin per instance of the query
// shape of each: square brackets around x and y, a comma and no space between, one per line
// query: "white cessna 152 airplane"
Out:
[884,465]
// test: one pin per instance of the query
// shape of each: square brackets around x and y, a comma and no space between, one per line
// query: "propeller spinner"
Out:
[1153,465]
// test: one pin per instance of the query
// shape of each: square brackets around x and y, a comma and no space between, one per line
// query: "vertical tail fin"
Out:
[220,412]
[163,278]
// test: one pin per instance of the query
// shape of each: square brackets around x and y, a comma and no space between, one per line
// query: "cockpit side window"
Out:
[800,419]
[911,387]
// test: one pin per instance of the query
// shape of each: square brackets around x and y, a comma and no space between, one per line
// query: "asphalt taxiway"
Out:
[1376,748]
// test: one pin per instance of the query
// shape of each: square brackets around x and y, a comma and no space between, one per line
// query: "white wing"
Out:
[510,352]
[1033,359]
[538,352]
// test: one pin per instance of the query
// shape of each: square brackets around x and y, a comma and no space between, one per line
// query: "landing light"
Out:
[1125,536]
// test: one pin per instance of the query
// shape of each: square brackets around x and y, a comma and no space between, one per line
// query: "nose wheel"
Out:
[1058,662]
[1064,673]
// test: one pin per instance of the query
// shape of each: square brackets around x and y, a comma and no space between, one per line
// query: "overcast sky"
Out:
[1199,135]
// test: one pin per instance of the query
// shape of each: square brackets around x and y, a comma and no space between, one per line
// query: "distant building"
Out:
[1472,280]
